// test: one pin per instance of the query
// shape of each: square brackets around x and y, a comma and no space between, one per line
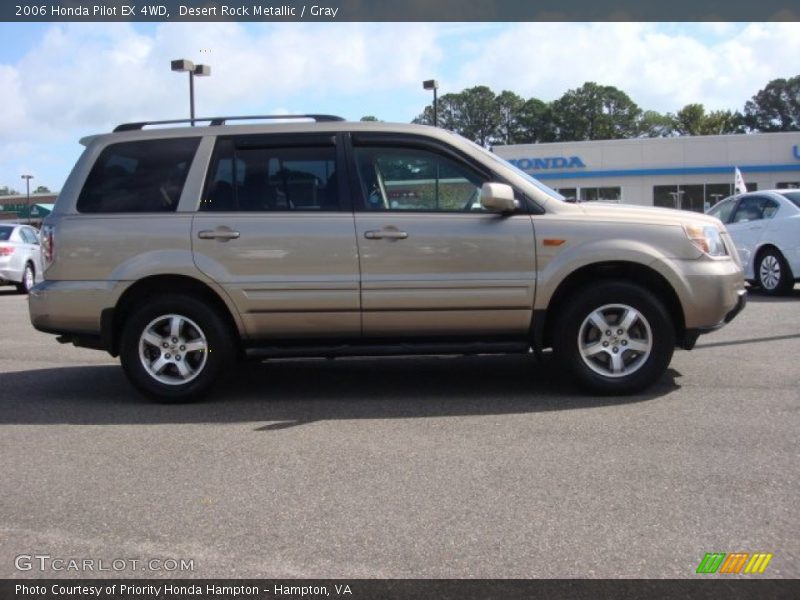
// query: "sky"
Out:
[62,81]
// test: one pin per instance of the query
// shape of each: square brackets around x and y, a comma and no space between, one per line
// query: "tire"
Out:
[28,279]
[199,348]
[773,273]
[588,343]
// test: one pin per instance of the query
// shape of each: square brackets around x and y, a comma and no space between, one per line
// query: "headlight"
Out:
[707,239]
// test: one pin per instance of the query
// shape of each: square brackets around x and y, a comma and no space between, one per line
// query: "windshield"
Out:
[793,196]
[529,178]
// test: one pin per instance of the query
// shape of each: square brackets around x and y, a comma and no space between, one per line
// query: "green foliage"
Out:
[595,112]
[775,108]
[692,119]
[602,112]
[653,124]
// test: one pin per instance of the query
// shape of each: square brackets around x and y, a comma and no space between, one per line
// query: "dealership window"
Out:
[607,194]
[716,192]
[570,194]
[788,185]
[697,197]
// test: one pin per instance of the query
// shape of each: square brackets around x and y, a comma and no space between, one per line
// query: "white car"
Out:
[20,256]
[765,226]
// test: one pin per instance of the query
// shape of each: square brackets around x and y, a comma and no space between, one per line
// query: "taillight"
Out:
[48,245]
[6,250]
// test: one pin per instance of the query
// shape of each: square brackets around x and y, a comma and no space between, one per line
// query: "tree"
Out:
[42,189]
[7,191]
[478,114]
[370,118]
[509,109]
[693,120]
[535,122]
[653,124]
[447,109]
[473,113]
[595,112]
[775,108]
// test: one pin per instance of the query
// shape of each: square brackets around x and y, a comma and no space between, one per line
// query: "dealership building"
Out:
[689,172]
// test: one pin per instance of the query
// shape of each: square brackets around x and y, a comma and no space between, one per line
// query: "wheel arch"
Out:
[631,272]
[764,248]
[113,320]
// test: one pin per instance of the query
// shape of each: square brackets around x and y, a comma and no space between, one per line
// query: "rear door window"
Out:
[263,175]
[754,208]
[142,176]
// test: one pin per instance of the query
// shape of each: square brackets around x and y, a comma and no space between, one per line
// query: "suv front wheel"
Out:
[614,337]
[175,348]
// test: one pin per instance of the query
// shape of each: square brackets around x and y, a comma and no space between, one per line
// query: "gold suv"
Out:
[181,249]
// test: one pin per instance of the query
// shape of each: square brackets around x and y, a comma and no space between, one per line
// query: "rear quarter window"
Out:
[143,176]
[5,233]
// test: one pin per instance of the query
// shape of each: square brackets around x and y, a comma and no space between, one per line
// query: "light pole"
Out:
[183,65]
[27,179]
[432,84]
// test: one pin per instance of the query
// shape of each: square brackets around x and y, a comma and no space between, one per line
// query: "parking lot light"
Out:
[182,65]
[27,179]
[432,84]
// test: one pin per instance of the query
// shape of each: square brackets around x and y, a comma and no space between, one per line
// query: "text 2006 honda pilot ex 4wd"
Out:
[181,249]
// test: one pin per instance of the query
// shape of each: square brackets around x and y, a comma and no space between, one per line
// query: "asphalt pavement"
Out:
[458,467]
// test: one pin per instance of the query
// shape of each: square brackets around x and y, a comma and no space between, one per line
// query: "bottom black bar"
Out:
[396,589]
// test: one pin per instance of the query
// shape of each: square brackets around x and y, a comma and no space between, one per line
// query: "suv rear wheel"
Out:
[615,338]
[175,348]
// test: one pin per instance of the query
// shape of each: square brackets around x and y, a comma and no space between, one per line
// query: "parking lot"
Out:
[412,467]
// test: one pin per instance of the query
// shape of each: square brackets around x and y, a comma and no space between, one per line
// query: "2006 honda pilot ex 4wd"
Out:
[181,249]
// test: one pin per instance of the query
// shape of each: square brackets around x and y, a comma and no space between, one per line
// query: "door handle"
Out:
[385,234]
[218,234]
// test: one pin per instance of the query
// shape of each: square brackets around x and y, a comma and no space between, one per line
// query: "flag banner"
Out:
[739,186]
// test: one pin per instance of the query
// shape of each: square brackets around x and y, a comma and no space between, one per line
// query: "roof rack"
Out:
[216,121]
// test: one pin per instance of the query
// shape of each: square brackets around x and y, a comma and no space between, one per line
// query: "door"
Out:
[274,232]
[747,225]
[433,261]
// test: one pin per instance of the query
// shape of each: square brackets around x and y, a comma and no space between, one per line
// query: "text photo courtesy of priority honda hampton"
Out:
[182,249]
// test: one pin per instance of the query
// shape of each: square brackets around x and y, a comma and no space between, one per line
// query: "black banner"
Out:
[397,10]
[398,589]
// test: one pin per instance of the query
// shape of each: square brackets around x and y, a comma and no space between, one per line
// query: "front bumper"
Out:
[740,304]
[690,336]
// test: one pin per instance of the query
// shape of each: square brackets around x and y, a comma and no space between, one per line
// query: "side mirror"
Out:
[498,197]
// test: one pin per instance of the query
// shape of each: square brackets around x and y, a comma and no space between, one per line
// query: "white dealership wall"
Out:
[638,165]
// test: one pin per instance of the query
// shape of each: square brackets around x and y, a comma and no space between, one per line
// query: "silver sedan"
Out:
[20,256]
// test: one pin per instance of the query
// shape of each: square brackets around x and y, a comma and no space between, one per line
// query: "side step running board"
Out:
[387,350]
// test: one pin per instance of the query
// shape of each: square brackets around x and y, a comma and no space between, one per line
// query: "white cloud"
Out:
[661,68]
